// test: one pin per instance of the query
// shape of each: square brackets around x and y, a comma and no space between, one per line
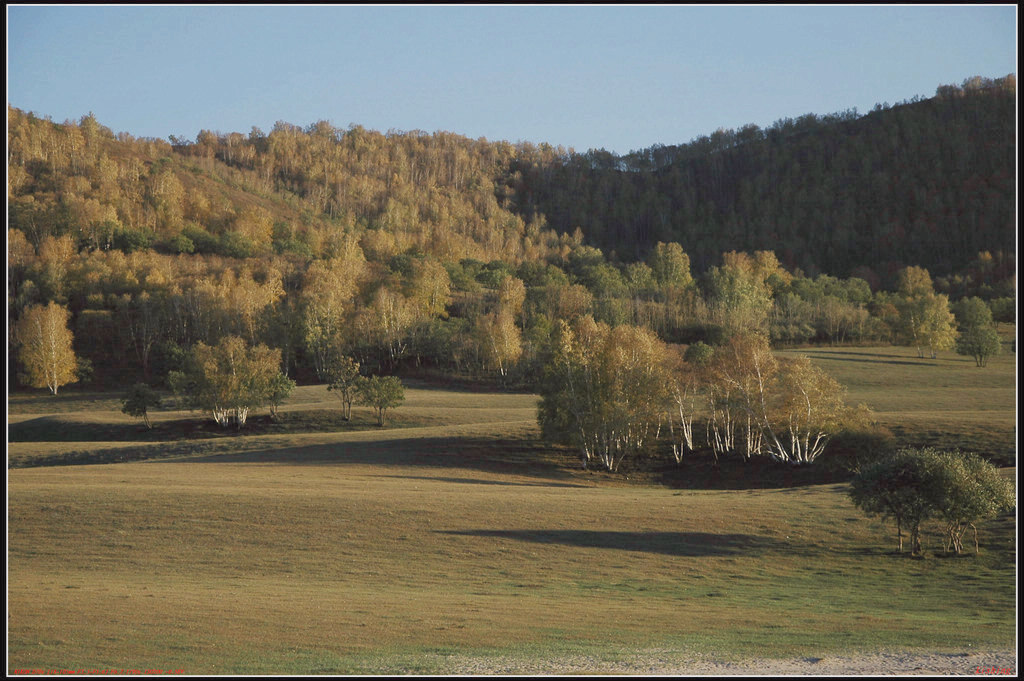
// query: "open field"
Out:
[456,542]
[947,402]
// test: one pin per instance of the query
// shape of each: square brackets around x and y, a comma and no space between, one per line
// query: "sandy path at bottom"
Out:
[671,663]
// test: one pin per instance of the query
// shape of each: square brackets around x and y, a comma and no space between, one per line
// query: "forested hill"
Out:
[926,182]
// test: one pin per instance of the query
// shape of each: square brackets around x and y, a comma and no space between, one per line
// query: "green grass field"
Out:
[456,532]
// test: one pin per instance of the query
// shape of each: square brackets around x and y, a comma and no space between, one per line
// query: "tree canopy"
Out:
[229,379]
[915,485]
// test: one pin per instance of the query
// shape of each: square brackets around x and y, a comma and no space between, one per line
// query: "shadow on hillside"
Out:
[690,544]
[65,429]
[478,481]
[492,455]
[871,359]
[61,429]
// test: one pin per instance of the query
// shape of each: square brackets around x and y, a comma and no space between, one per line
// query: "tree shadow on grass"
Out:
[479,481]
[871,359]
[688,544]
[57,428]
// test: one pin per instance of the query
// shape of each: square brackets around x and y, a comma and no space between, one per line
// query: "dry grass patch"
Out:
[947,402]
[458,533]
[275,565]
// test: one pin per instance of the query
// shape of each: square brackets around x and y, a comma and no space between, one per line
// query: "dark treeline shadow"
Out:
[691,544]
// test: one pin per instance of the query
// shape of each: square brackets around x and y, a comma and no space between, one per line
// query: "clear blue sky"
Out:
[613,77]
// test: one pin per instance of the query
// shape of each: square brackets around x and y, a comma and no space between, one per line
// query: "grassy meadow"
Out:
[324,547]
[947,402]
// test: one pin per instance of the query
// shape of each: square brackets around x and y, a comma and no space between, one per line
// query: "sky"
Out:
[619,78]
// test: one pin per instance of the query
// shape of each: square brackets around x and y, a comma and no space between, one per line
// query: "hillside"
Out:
[418,251]
[926,182]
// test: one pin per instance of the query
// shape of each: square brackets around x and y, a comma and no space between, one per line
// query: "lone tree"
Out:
[914,485]
[44,343]
[972,490]
[137,402]
[897,488]
[925,320]
[343,379]
[979,342]
[278,391]
[382,393]
[978,337]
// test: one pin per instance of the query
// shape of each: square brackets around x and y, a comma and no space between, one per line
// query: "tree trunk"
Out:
[915,540]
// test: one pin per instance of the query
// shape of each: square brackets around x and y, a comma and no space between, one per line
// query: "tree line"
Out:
[142,310]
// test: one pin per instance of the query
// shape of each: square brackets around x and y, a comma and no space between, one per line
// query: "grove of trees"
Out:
[608,390]
[229,379]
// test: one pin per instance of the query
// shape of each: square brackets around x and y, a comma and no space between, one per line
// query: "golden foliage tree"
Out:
[791,408]
[604,390]
[44,343]
[499,340]
[926,322]
[229,379]
[327,294]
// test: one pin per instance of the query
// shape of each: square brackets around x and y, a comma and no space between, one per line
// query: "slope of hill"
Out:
[927,182]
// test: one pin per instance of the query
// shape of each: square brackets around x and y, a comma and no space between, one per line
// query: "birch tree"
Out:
[328,293]
[386,324]
[738,294]
[688,379]
[230,379]
[603,390]
[500,341]
[927,323]
[44,347]
[343,380]
[790,408]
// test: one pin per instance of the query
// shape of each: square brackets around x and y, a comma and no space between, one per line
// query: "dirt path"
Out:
[671,663]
